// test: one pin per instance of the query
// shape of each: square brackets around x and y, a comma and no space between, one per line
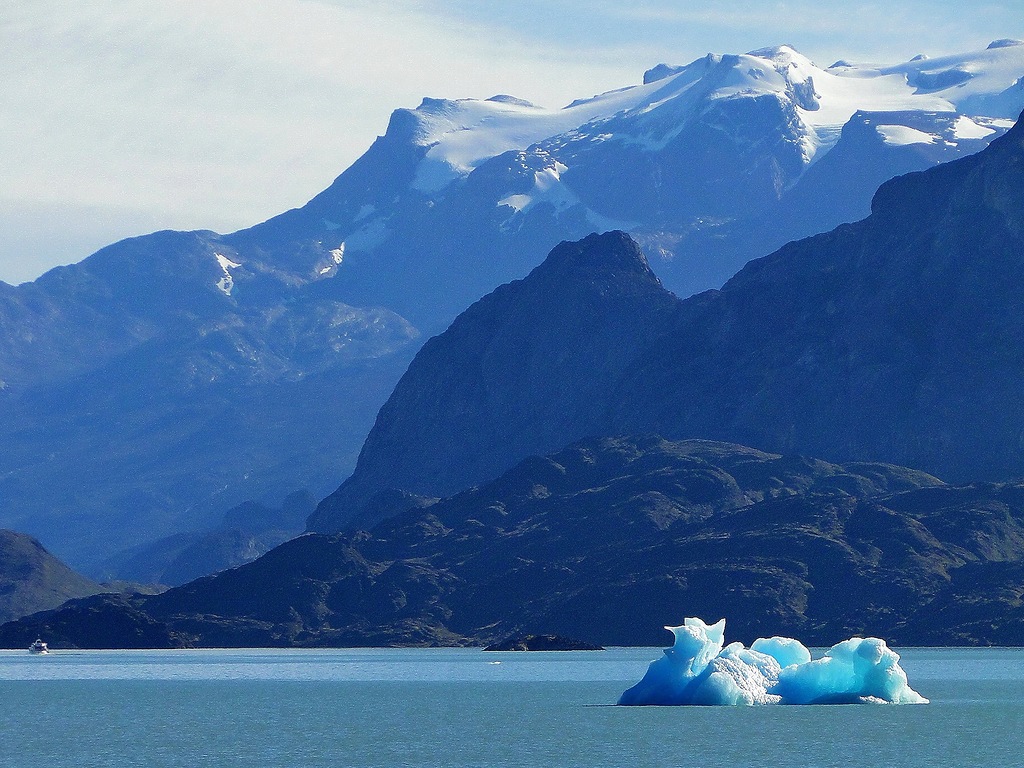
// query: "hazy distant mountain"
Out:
[168,378]
[896,339]
[247,531]
[609,540]
[146,393]
[31,579]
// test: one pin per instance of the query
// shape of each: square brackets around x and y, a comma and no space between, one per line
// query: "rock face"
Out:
[608,540]
[31,579]
[896,339]
[527,369]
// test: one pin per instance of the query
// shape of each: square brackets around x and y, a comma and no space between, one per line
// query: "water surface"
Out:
[457,707]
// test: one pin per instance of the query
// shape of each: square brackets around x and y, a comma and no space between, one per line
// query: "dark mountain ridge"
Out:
[609,540]
[899,338]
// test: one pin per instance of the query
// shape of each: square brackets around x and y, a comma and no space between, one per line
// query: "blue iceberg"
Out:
[700,669]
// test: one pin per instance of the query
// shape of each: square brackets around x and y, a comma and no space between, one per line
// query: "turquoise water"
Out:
[455,707]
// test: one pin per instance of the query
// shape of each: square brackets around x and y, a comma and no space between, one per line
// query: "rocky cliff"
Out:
[899,338]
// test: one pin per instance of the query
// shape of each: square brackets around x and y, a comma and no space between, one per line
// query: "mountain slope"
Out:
[247,531]
[163,381]
[31,579]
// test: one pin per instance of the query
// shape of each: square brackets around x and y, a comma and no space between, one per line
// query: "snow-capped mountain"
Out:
[170,377]
[708,165]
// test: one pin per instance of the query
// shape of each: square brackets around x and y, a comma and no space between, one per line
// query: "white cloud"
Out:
[219,114]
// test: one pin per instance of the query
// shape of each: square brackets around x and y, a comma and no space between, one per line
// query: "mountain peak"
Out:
[613,253]
[524,370]
[1006,42]
[504,98]
[785,53]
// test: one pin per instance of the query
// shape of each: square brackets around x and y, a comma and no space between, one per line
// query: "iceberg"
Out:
[701,669]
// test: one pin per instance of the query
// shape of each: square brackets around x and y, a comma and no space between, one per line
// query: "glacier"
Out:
[700,669]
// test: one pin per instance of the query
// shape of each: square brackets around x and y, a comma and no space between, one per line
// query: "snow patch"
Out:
[547,187]
[518,202]
[965,128]
[901,135]
[337,255]
[225,262]
[962,78]
[226,283]
[460,135]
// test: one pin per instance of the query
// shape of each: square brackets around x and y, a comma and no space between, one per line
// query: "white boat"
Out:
[38,647]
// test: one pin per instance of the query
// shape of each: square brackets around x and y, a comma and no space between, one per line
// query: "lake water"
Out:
[457,707]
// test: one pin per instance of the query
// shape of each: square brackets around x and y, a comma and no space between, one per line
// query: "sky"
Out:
[120,117]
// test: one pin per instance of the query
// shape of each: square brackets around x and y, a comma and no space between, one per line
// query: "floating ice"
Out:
[784,650]
[697,669]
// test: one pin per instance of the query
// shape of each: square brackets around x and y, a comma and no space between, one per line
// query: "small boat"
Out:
[38,647]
